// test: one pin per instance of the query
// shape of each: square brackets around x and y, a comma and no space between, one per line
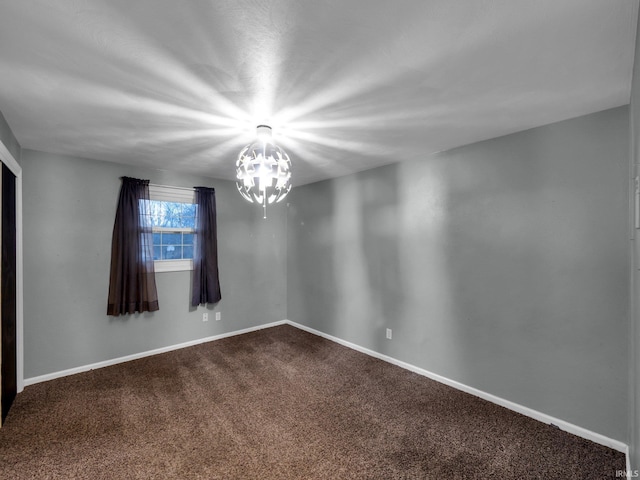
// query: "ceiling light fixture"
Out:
[263,170]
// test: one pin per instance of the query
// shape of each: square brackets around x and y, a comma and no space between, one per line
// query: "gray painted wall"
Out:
[8,139]
[69,210]
[634,323]
[502,265]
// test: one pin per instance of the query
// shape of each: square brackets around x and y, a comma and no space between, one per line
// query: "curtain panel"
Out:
[206,284]
[132,283]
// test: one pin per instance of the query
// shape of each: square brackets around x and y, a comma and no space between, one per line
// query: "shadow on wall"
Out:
[343,247]
[378,224]
[501,265]
[363,256]
[425,335]
[367,254]
[311,291]
[492,256]
[537,268]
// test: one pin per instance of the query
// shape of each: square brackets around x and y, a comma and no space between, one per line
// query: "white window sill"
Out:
[161,266]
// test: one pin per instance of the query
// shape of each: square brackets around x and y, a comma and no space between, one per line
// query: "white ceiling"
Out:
[346,84]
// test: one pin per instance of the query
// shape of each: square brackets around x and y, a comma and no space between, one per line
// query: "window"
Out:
[173,225]
[173,214]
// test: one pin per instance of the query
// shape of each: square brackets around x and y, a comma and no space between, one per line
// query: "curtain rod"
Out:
[190,189]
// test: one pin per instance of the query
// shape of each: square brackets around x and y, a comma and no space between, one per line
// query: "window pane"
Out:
[188,215]
[155,208]
[188,222]
[170,217]
[188,210]
[171,252]
[171,238]
[168,245]
[172,214]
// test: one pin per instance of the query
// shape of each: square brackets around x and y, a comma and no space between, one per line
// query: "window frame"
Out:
[172,194]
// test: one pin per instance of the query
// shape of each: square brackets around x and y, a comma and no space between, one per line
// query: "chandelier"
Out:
[263,170]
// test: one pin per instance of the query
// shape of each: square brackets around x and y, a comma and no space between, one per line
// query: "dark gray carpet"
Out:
[278,403]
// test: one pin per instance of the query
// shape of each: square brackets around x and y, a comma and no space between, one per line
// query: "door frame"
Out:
[7,158]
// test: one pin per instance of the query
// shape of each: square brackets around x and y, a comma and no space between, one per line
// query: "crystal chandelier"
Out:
[263,170]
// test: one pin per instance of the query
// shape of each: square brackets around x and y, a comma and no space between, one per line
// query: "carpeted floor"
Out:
[278,403]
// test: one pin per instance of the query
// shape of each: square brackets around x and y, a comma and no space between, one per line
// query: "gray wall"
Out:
[8,139]
[69,209]
[502,265]
[634,324]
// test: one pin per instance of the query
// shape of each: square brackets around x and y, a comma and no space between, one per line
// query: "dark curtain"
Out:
[206,284]
[132,283]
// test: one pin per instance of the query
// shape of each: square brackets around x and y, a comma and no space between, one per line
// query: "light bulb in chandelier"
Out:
[263,170]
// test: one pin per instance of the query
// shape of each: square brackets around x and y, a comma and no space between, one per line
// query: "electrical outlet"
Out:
[389,334]
[218,316]
[205,317]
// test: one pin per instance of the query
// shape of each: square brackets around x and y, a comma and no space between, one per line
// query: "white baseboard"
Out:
[115,361]
[542,417]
